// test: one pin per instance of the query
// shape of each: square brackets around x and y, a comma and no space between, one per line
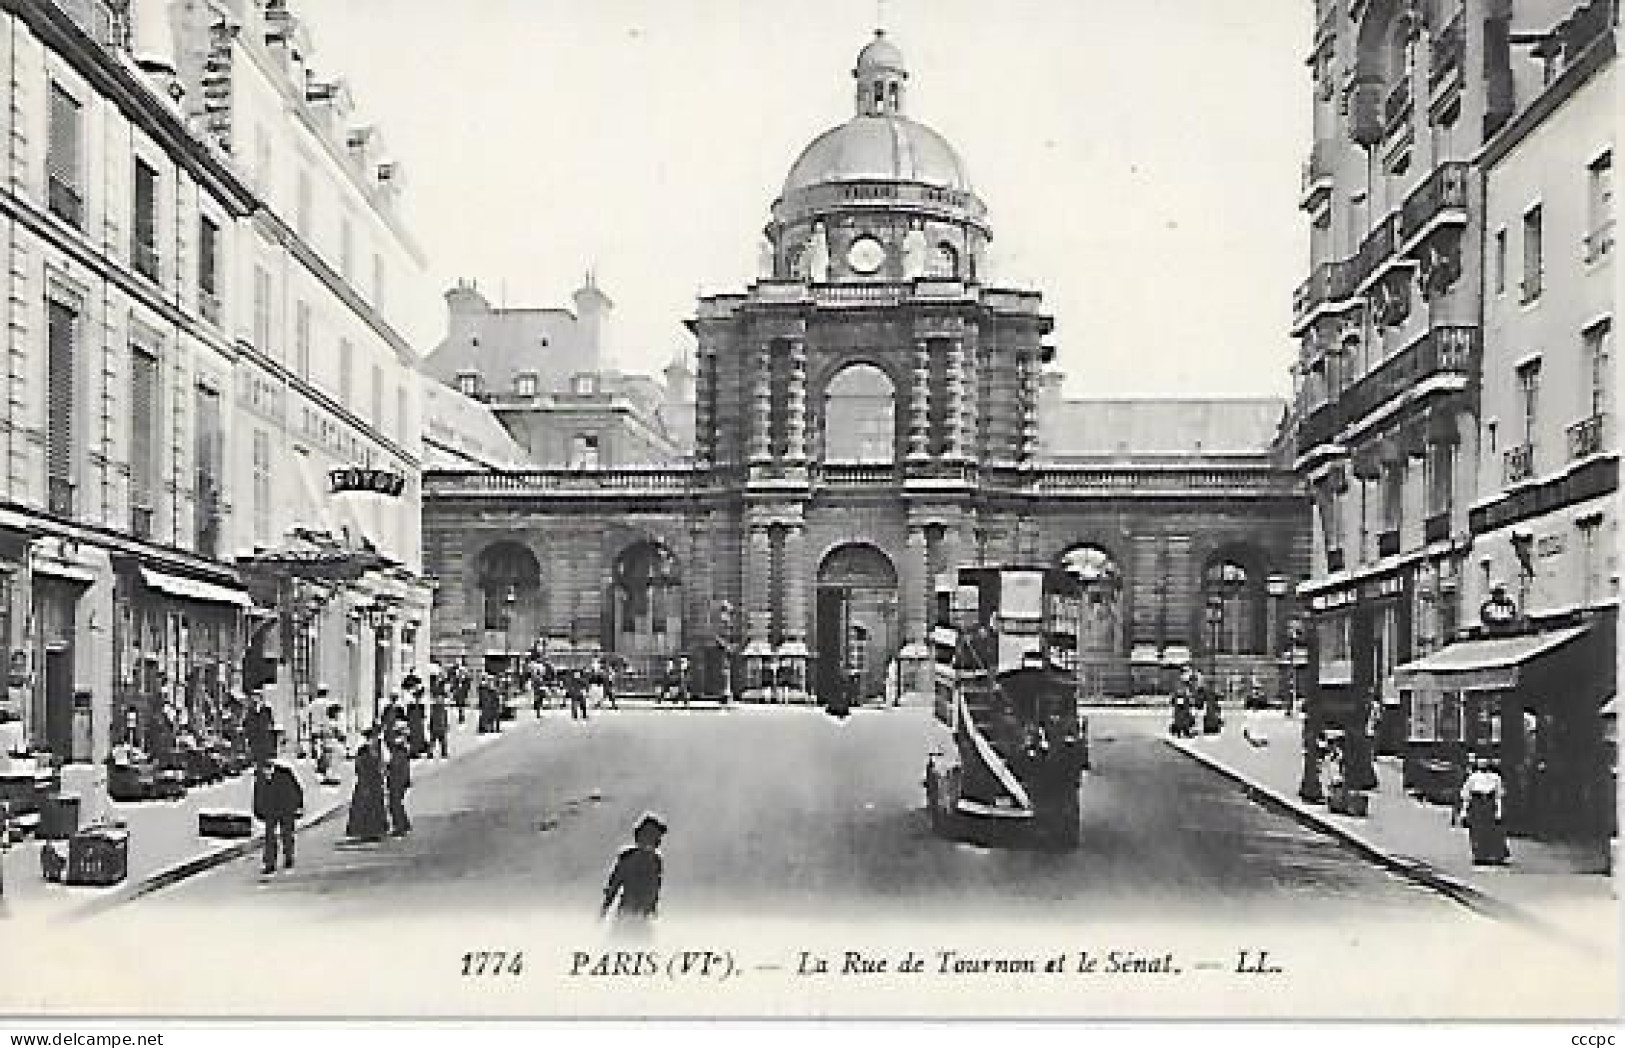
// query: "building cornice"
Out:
[268,222]
[310,391]
[112,80]
[1594,58]
[74,243]
[296,103]
[15,515]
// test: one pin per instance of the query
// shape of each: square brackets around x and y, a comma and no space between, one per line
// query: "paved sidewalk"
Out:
[164,843]
[1553,884]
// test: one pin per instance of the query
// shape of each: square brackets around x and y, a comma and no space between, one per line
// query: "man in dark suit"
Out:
[259,730]
[397,780]
[279,800]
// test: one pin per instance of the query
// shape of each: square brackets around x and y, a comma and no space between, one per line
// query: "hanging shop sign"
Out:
[375,481]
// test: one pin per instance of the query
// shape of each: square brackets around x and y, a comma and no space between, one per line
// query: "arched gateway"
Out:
[857,622]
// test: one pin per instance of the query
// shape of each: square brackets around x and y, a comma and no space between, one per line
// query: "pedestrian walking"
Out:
[397,780]
[633,889]
[439,727]
[368,820]
[392,716]
[259,730]
[279,800]
[1483,797]
[575,689]
[461,684]
[417,724]
[330,742]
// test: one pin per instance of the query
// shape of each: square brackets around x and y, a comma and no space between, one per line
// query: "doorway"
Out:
[59,703]
[857,629]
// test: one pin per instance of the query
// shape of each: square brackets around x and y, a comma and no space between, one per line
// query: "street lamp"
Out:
[1215,620]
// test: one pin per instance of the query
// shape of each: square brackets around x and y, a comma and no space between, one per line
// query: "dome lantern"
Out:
[880,74]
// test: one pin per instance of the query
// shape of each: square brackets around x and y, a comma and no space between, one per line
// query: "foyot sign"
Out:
[376,481]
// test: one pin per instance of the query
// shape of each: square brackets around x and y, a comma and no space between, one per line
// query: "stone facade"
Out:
[790,551]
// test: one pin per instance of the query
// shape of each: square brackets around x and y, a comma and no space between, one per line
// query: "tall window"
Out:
[859,423]
[346,370]
[208,268]
[64,184]
[62,336]
[346,247]
[1600,208]
[401,420]
[1595,345]
[1529,400]
[207,460]
[1393,497]
[144,227]
[146,439]
[262,158]
[1500,261]
[1533,253]
[378,396]
[1228,589]
[302,204]
[262,310]
[262,488]
[1441,467]
[301,339]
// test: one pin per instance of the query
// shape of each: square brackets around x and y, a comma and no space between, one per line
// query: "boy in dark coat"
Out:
[635,880]
[439,727]
[279,800]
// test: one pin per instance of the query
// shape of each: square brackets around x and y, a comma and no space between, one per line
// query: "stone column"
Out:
[704,398]
[1027,376]
[919,402]
[916,595]
[956,399]
[758,582]
[972,396]
[794,648]
[761,449]
[796,404]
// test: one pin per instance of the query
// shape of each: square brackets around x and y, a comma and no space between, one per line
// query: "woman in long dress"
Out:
[1482,798]
[368,821]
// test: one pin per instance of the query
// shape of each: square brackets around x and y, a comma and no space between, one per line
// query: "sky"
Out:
[1140,160]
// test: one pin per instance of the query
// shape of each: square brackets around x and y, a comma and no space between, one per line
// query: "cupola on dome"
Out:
[879,143]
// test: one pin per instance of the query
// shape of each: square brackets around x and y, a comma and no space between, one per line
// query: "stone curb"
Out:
[1415,870]
[192,866]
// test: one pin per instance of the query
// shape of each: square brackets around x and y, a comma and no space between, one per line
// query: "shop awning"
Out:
[1492,664]
[194,589]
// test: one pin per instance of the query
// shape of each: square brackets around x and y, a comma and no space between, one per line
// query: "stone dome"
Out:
[880,147]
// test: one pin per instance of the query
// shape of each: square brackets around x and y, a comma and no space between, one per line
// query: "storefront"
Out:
[1534,702]
[177,642]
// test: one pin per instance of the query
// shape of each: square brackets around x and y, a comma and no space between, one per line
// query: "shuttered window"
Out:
[206,459]
[208,268]
[400,413]
[144,228]
[63,184]
[62,334]
[145,437]
[378,397]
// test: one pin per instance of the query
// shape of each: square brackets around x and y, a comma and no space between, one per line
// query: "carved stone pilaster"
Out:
[920,402]
[796,404]
[917,581]
[758,587]
[956,399]
[761,449]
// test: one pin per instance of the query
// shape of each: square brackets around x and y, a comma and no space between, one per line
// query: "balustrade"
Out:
[1585,437]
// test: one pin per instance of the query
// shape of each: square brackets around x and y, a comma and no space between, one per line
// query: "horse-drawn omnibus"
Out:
[1002,639]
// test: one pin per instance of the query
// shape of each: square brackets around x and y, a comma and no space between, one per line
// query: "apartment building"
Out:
[1402,425]
[157,423]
